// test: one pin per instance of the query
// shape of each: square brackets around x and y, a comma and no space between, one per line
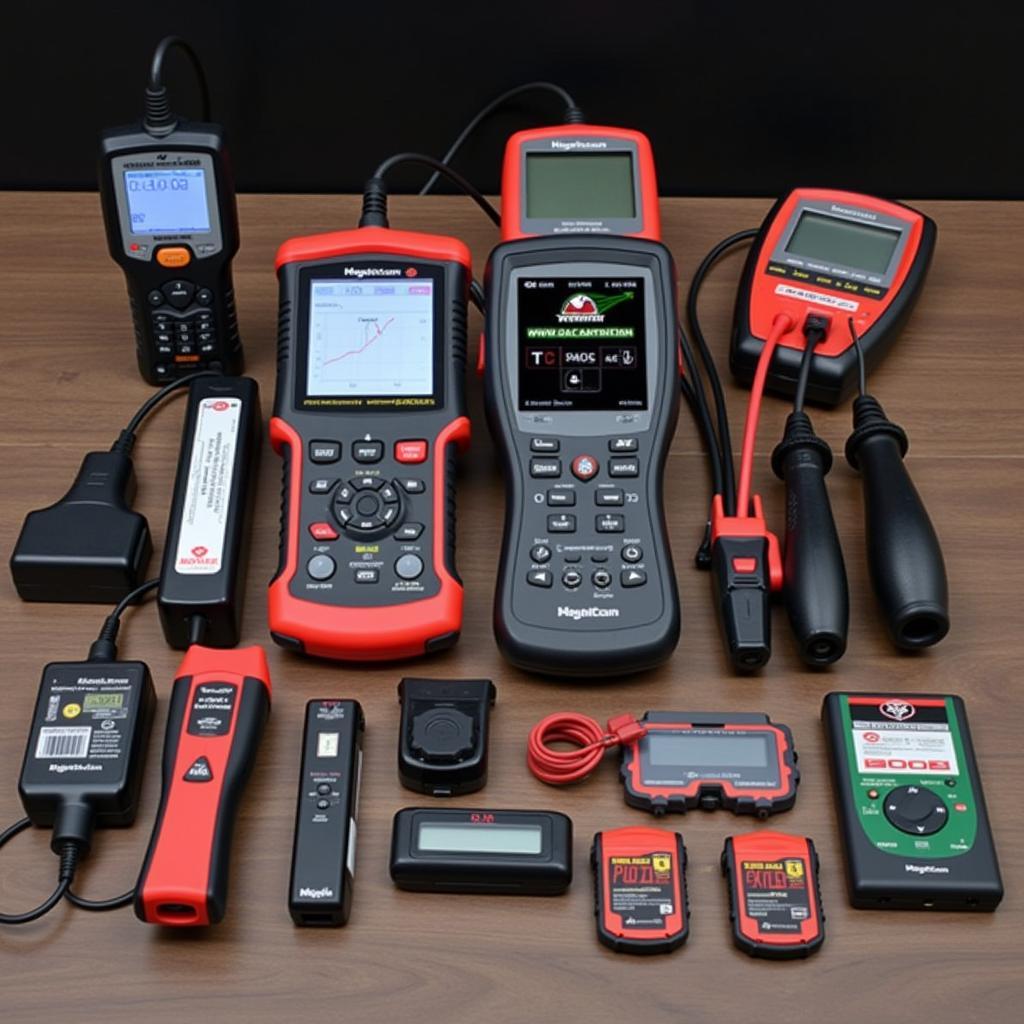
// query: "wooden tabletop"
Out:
[954,381]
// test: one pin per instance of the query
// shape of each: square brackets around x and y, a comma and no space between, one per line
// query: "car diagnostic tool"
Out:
[582,384]
[834,253]
[172,225]
[368,416]
[914,824]
[575,179]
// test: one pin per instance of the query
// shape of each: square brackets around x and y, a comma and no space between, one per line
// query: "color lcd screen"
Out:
[371,337]
[581,344]
[701,751]
[579,186]
[818,236]
[171,202]
[453,837]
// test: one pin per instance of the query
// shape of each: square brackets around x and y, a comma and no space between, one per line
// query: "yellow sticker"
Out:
[795,868]
[72,710]
[662,863]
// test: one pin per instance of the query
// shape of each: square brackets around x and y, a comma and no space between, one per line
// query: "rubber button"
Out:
[744,566]
[173,256]
[410,451]
[409,567]
[584,467]
[323,531]
[320,567]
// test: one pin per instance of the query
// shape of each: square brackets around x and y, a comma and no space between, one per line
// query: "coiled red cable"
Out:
[559,767]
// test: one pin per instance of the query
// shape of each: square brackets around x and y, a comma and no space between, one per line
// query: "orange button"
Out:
[410,451]
[174,256]
[744,565]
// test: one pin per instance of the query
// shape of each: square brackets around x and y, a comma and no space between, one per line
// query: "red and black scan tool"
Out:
[640,896]
[368,417]
[573,179]
[774,895]
[219,705]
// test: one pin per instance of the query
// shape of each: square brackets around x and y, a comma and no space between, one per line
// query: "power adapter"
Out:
[87,747]
[90,546]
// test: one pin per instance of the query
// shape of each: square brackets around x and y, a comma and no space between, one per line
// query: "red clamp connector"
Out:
[749,526]
[624,730]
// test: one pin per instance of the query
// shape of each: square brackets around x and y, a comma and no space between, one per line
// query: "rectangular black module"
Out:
[206,548]
[524,853]
[915,829]
[442,740]
[323,856]
[87,747]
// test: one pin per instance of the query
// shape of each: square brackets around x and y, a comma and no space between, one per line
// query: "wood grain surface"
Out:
[954,381]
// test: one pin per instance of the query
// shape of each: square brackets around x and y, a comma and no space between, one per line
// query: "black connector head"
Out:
[87,748]
[91,546]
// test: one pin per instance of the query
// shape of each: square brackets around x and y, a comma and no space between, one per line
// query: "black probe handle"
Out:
[739,574]
[815,591]
[904,557]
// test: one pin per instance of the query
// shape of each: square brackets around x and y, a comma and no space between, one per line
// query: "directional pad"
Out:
[367,507]
[915,810]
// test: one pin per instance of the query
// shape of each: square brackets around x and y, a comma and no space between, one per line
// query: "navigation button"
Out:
[367,483]
[539,577]
[179,293]
[601,578]
[633,577]
[572,578]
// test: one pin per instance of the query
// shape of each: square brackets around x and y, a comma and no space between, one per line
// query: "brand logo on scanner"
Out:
[565,612]
[865,214]
[570,144]
[361,272]
[589,307]
[925,869]
[199,555]
[322,893]
[897,710]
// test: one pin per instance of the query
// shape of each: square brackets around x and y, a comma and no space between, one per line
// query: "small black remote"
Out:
[323,857]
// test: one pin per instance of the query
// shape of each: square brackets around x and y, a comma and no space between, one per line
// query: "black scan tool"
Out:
[324,853]
[169,208]
[582,386]
[523,853]
[915,828]
[442,740]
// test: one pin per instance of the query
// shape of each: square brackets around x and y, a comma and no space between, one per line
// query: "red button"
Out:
[584,467]
[323,531]
[744,565]
[960,807]
[410,451]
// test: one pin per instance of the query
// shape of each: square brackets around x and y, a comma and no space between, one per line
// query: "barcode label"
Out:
[67,741]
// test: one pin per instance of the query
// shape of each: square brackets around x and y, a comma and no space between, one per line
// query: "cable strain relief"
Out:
[702,559]
[869,420]
[104,647]
[799,433]
[158,119]
[573,115]
[375,204]
[73,827]
[70,854]
[125,442]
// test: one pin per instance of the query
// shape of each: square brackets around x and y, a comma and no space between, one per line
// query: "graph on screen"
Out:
[370,338]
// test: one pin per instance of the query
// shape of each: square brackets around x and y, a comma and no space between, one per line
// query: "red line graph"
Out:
[379,328]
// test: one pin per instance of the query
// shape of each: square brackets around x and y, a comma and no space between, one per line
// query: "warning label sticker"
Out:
[204,515]
[924,748]
[641,889]
[776,893]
